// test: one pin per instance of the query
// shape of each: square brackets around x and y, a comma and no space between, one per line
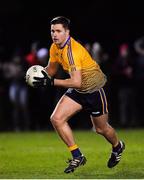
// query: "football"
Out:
[33,71]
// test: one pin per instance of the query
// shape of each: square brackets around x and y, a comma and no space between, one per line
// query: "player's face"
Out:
[59,34]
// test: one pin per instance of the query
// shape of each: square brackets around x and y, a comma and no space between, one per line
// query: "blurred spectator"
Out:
[98,53]
[18,94]
[42,56]
[123,79]
[31,57]
[88,47]
[139,77]
[101,57]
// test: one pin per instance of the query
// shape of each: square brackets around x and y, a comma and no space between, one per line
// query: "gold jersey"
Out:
[73,56]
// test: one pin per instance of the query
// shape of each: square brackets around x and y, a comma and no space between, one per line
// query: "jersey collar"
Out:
[68,39]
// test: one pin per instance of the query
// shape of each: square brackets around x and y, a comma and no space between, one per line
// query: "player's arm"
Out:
[51,68]
[74,81]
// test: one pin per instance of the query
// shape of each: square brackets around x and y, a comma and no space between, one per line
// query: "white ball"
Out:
[33,71]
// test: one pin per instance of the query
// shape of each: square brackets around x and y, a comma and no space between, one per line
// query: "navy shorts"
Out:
[94,103]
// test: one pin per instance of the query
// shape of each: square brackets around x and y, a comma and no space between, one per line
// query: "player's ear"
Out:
[67,31]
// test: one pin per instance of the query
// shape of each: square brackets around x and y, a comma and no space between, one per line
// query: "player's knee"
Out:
[55,120]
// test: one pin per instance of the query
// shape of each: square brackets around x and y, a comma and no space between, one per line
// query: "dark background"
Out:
[110,23]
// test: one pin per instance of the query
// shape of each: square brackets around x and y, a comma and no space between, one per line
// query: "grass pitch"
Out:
[39,155]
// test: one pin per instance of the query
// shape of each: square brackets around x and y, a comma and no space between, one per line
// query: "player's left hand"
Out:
[43,81]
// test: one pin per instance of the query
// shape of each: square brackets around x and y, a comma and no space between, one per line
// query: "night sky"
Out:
[110,23]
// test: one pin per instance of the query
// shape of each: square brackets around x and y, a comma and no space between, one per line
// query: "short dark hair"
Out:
[61,20]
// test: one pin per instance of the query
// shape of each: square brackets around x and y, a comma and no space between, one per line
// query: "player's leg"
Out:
[102,127]
[99,116]
[66,108]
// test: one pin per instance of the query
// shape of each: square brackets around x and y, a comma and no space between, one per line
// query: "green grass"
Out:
[42,155]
